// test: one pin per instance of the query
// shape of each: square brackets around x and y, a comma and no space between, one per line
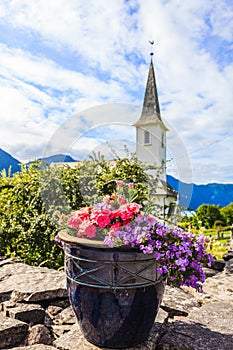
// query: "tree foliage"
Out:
[227,213]
[208,214]
[27,231]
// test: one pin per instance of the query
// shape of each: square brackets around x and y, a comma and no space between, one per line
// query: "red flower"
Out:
[115,226]
[103,220]
[83,213]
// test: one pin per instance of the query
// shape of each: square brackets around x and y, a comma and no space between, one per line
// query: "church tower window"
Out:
[163,140]
[146,137]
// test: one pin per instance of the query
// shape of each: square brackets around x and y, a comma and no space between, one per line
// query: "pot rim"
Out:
[67,238]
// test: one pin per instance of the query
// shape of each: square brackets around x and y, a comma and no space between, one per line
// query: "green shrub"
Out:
[27,231]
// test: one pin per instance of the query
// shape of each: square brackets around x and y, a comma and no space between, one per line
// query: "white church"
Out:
[151,145]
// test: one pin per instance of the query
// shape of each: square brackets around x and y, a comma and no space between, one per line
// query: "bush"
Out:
[27,231]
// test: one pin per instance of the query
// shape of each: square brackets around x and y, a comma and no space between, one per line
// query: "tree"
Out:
[227,213]
[208,214]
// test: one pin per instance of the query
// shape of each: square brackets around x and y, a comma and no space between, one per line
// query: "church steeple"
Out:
[151,101]
[150,129]
[151,110]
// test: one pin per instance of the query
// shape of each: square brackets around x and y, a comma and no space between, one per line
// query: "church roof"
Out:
[151,110]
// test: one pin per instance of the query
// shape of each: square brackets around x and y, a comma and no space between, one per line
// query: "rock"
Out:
[218,265]
[53,310]
[60,302]
[229,267]
[228,256]
[35,347]
[217,316]
[12,332]
[193,336]
[210,272]
[74,340]
[216,288]
[39,334]
[178,303]
[5,261]
[59,330]
[208,329]
[29,313]
[67,316]
[12,283]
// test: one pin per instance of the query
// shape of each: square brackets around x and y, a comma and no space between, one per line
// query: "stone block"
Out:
[229,267]
[66,316]
[29,313]
[209,328]
[228,256]
[39,334]
[12,332]
[187,335]
[21,282]
[177,302]
[218,265]
[59,330]
[35,347]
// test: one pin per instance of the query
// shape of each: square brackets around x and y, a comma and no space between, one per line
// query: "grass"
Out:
[219,242]
[218,248]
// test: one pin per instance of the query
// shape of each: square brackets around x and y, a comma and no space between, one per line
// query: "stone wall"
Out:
[35,313]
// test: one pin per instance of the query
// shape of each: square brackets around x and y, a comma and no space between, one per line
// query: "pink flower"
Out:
[90,231]
[103,220]
[119,183]
[106,198]
[73,222]
[151,219]
[131,185]
[121,200]
[134,207]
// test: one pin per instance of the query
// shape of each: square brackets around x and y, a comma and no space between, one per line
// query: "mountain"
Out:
[58,158]
[7,161]
[192,195]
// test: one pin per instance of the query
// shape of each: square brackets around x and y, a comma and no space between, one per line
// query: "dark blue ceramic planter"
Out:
[115,293]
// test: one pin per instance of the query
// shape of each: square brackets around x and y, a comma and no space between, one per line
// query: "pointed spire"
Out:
[151,101]
[151,110]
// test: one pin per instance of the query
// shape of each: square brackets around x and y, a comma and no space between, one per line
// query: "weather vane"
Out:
[152,43]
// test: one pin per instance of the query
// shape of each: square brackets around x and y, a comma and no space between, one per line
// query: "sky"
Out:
[73,75]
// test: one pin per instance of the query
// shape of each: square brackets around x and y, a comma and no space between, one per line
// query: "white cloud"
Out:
[67,56]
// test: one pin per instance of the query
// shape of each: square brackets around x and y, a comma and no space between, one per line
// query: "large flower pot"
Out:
[115,292]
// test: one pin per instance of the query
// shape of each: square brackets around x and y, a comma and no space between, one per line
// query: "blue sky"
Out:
[59,59]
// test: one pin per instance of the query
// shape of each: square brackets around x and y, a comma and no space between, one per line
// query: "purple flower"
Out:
[157,255]
[147,249]
[159,270]
[158,244]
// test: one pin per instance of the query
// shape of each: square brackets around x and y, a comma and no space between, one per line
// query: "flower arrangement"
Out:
[119,222]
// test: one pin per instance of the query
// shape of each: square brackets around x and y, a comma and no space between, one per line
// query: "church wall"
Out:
[153,152]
